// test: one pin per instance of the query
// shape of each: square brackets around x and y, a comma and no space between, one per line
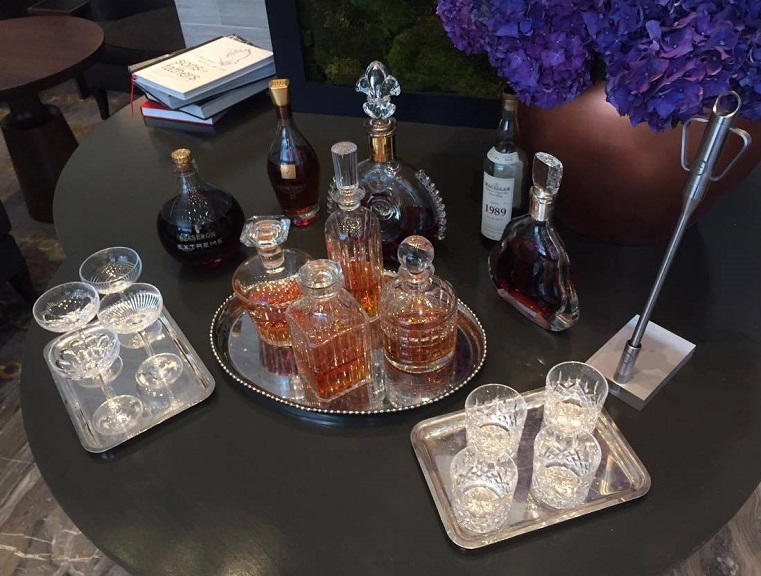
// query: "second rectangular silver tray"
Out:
[621,476]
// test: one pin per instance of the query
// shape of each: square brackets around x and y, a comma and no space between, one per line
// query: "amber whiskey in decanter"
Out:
[200,224]
[292,164]
[504,175]
[353,234]
[418,319]
[404,198]
[530,266]
[266,285]
[330,332]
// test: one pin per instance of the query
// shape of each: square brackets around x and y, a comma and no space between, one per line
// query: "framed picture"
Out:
[324,46]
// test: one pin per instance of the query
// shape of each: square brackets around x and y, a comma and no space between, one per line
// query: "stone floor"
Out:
[36,536]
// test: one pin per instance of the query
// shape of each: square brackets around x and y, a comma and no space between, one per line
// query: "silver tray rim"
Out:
[241,379]
[203,377]
[471,542]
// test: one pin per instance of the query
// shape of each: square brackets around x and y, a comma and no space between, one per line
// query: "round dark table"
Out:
[242,485]
[37,53]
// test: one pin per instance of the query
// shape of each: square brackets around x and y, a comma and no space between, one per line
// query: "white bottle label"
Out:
[502,158]
[496,205]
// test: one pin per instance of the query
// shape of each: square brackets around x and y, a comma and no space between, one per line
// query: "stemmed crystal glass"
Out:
[86,352]
[131,311]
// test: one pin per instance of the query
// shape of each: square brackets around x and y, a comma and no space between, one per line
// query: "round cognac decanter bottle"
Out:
[418,317]
[530,266]
[200,225]
[266,285]
[292,165]
[331,334]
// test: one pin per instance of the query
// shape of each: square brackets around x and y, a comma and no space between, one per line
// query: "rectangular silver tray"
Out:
[621,476]
[194,385]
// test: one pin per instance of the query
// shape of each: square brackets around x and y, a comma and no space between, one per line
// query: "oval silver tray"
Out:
[235,343]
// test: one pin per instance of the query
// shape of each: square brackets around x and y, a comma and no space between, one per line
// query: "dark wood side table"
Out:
[40,52]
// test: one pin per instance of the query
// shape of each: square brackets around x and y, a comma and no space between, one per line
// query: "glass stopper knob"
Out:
[379,86]
[415,253]
[320,276]
[265,232]
[547,172]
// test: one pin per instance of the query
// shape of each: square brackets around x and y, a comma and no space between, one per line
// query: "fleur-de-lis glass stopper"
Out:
[379,86]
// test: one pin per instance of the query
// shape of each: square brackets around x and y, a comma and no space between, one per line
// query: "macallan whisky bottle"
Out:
[352,233]
[292,164]
[530,266]
[331,333]
[504,170]
[200,225]
[404,199]
[266,285]
[418,316]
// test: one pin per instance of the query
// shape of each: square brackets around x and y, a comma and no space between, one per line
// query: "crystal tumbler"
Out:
[575,394]
[494,419]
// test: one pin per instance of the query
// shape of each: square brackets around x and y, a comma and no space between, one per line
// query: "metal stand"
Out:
[663,353]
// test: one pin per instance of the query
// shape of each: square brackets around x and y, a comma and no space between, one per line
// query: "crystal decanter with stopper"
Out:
[352,232]
[418,318]
[292,165]
[530,266]
[199,226]
[404,199]
[504,175]
[331,334]
[266,285]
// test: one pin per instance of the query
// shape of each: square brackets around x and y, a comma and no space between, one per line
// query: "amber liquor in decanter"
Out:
[200,225]
[266,285]
[418,318]
[292,164]
[530,266]
[404,199]
[331,334]
[352,232]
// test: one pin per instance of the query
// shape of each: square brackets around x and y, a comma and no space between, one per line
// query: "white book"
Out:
[198,70]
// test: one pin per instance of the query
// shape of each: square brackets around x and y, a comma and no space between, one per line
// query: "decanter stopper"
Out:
[379,86]
[415,256]
[267,234]
[347,193]
[320,277]
[547,173]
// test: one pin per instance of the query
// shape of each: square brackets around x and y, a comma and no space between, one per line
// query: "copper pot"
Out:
[624,184]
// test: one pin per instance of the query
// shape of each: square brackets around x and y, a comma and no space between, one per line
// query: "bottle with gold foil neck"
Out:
[404,199]
[200,225]
[292,164]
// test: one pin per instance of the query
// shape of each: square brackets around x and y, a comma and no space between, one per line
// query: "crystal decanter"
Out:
[331,334]
[353,234]
[418,318]
[267,284]
[530,266]
[404,199]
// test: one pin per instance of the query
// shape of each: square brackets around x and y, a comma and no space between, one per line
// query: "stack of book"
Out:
[193,88]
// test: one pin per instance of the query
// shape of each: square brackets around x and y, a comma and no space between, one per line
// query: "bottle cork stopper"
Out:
[181,157]
[279,91]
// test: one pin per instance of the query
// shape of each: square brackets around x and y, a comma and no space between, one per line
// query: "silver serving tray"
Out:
[621,476]
[235,343]
[194,385]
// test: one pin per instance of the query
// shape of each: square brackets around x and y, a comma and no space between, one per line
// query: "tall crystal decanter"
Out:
[267,284]
[530,266]
[292,165]
[404,199]
[353,234]
[200,224]
[418,316]
[331,334]
[504,175]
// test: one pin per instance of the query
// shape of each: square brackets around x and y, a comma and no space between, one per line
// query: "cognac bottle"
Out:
[352,233]
[199,226]
[292,164]
[404,199]
[418,318]
[266,285]
[504,170]
[331,333]
[530,266]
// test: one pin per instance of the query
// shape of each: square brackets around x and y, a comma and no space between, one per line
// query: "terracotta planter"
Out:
[623,184]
